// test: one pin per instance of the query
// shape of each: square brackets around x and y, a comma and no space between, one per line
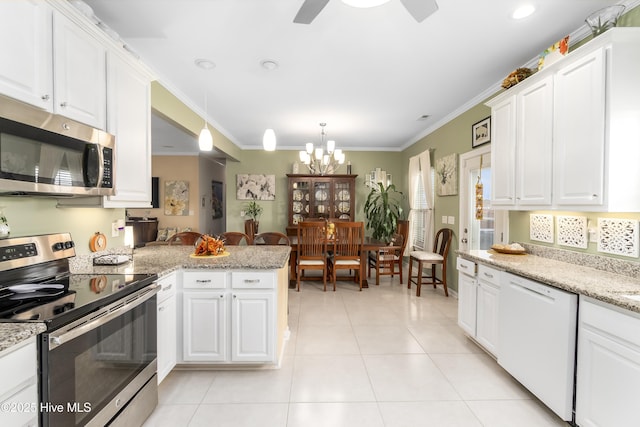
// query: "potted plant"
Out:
[383,209]
[253,210]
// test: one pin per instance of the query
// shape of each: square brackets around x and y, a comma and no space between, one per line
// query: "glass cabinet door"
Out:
[342,203]
[321,199]
[300,201]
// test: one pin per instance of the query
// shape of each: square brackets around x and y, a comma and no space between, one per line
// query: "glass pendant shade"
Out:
[205,140]
[269,140]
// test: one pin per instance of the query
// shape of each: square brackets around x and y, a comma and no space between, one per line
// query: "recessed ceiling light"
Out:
[205,64]
[364,3]
[523,11]
[269,64]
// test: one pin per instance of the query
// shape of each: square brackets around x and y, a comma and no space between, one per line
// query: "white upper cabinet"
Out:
[129,120]
[25,52]
[79,70]
[583,110]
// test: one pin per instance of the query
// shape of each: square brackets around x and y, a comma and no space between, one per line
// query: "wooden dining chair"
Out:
[347,250]
[385,260]
[235,238]
[184,238]
[271,238]
[436,257]
[311,251]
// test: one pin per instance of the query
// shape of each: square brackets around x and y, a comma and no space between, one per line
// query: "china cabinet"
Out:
[316,196]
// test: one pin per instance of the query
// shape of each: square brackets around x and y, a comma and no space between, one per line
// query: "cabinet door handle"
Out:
[168,287]
[63,104]
[594,196]
[161,308]
[221,296]
[490,276]
[45,97]
[463,266]
[203,280]
[251,280]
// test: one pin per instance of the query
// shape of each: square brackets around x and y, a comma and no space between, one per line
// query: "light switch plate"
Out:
[452,220]
[114,229]
[444,219]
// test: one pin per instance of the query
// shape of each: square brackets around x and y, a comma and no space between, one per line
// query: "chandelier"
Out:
[325,159]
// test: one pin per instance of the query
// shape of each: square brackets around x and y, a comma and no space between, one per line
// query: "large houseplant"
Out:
[383,209]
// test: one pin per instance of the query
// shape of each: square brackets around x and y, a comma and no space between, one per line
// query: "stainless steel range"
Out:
[97,357]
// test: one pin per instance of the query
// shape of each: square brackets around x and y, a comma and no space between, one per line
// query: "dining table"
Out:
[369,244]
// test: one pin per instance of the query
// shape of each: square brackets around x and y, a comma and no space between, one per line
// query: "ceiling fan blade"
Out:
[420,9]
[309,10]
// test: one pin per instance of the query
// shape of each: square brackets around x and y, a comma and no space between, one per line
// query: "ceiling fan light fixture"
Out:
[523,11]
[269,140]
[364,3]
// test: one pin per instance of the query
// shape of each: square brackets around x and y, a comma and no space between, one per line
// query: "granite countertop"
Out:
[14,333]
[599,284]
[160,260]
[163,260]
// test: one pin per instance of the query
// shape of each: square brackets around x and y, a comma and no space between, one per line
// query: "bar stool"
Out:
[439,254]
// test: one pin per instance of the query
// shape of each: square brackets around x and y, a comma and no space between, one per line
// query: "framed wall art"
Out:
[447,175]
[255,187]
[216,199]
[176,198]
[481,132]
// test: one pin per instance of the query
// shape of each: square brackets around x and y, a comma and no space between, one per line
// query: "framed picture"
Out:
[176,198]
[255,187]
[216,199]
[447,175]
[481,132]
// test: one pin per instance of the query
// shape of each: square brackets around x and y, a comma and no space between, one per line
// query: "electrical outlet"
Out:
[242,213]
[452,220]
[114,229]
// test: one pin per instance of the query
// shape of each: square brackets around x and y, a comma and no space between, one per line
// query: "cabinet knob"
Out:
[66,126]
[63,104]
[594,196]
[161,308]
[464,240]
[45,97]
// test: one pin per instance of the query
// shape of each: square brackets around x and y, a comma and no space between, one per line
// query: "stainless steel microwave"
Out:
[47,154]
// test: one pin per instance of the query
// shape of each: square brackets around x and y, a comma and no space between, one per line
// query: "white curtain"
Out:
[420,212]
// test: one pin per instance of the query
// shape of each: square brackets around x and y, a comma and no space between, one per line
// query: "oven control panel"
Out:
[18,251]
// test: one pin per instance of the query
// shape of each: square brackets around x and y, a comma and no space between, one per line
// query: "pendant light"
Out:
[205,139]
[269,140]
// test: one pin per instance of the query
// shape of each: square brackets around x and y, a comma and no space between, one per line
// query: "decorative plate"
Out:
[320,209]
[344,216]
[508,251]
[98,242]
[306,208]
[306,197]
[297,195]
[297,218]
[321,195]
[297,207]
[344,195]
[344,207]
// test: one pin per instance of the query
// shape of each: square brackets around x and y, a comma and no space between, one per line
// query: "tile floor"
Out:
[380,357]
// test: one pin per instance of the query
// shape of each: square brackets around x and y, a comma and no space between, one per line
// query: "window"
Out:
[420,213]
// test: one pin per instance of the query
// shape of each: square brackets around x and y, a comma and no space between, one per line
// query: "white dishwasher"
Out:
[538,340]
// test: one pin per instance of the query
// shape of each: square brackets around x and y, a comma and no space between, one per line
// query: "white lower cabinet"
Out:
[19,385]
[608,371]
[478,302]
[167,333]
[229,317]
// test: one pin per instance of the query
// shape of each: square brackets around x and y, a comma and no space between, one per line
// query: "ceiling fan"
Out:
[419,9]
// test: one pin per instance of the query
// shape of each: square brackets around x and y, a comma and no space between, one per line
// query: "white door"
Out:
[204,334]
[494,226]
[252,327]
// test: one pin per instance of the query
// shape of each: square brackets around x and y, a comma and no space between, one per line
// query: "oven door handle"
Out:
[98,318]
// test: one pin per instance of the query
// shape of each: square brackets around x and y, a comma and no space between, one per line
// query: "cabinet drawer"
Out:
[488,274]
[204,280]
[465,266]
[21,408]
[167,287]
[253,280]
[18,367]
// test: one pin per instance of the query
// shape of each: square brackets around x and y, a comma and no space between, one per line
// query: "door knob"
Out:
[464,240]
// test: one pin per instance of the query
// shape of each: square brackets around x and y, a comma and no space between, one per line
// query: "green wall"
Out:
[39,215]
[279,163]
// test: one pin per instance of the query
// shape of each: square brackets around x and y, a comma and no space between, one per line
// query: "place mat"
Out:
[223,254]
